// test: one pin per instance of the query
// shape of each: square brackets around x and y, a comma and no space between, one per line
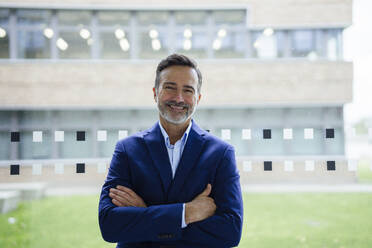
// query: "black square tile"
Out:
[14,169]
[268,165]
[330,133]
[331,165]
[80,135]
[15,137]
[80,168]
[267,133]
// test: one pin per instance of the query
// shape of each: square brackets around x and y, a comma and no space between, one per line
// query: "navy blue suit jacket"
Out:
[141,163]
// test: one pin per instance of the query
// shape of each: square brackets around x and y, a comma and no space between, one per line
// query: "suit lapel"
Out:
[159,154]
[190,154]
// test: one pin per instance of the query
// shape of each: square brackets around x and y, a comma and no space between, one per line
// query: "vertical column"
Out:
[95,47]
[325,43]
[210,34]
[288,44]
[14,127]
[94,129]
[248,42]
[13,34]
[53,43]
[171,33]
[133,36]
[54,128]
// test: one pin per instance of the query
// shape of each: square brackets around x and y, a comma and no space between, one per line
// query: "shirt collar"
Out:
[166,137]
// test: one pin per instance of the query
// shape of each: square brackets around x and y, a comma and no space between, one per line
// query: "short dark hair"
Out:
[177,59]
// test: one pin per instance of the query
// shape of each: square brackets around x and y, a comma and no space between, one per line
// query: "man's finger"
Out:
[127,190]
[121,198]
[207,190]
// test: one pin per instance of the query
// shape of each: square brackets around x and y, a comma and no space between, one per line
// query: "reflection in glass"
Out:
[264,44]
[33,17]
[110,18]
[229,16]
[190,17]
[33,45]
[154,44]
[152,17]
[4,16]
[281,41]
[73,46]
[303,43]
[332,44]
[4,43]
[73,17]
[114,45]
[229,44]
[35,150]
[195,46]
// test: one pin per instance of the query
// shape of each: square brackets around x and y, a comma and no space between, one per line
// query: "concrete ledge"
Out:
[9,201]
[28,191]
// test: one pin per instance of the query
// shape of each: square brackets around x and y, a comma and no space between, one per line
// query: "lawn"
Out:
[364,171]
[271,220]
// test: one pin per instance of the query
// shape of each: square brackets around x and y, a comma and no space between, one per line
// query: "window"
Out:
[4,33]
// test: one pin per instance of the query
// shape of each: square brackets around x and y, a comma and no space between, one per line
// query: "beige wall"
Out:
[129,84]
[263,13]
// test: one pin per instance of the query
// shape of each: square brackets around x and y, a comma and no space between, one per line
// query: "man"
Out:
[174,185]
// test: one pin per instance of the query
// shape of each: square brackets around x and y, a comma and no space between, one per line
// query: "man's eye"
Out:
[169,88]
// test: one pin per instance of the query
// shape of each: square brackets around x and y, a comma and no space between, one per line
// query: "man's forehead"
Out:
[178,71]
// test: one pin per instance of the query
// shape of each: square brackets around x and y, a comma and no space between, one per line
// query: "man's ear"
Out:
[154,91]
[199,97]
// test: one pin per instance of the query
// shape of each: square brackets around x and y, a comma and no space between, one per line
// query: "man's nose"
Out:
[179,97]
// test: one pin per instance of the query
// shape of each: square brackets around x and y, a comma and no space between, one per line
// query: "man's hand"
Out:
[201,207]
[125,197]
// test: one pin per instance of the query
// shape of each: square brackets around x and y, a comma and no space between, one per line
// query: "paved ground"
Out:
[250,188]
[280,188]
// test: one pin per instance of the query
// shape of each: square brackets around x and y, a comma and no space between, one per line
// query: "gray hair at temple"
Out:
[177,59]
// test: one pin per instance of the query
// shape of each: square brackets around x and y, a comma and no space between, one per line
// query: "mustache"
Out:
[180,104]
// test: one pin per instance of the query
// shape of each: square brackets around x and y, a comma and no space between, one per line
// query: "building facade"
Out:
[274,78]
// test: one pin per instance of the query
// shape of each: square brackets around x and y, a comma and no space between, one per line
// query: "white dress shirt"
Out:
[175,153]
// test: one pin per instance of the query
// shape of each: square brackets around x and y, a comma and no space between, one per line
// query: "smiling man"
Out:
[173,185]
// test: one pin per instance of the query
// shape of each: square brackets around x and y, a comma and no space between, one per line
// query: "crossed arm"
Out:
[124,216]
[200,208]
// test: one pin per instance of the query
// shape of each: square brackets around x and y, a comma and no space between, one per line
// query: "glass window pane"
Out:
[4,16]
[106,148]
[154,44]
[33,17]
[71,148]
[74,17]
[152,17]
[115,45]
[229,16]
[33,45]
[35,150]
[302,43]
[264,44]
[281,43]
[229,44]
[5,145]
[72,45]
[4,43]
[194,46]
[191,17]
[332,44]
[113,17]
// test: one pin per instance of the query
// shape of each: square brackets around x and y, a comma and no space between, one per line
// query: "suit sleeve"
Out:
[224,228]
[134,224]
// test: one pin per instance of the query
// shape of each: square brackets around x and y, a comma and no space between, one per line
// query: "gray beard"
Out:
[163,113]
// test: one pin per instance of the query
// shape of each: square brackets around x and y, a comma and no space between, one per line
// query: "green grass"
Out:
[271,220]
[364,171]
